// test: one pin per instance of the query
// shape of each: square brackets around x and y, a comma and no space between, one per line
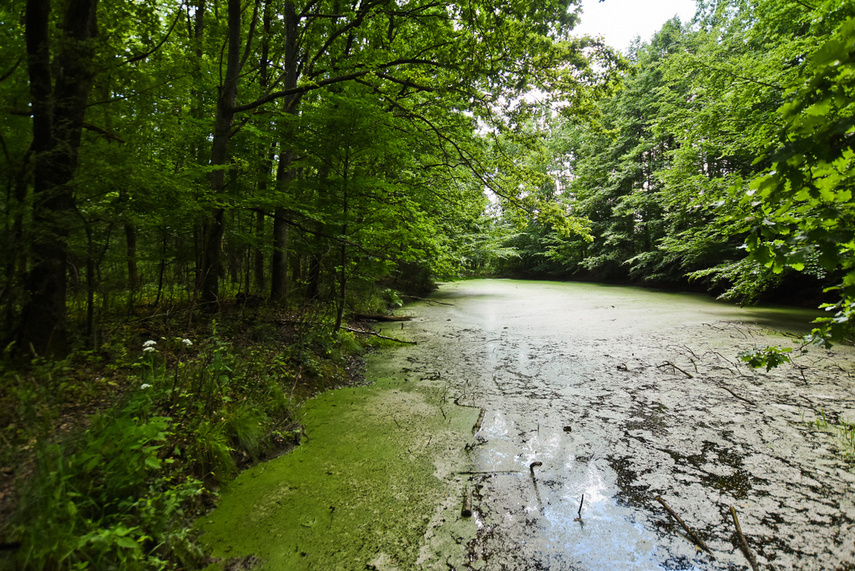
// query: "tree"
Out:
[59,92]
[805,202]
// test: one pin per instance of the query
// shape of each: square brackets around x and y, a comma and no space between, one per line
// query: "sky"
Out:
[619,21]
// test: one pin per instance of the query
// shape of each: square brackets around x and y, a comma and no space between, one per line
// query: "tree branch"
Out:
[160,44]
[326,82]
[104,133]
[6,75]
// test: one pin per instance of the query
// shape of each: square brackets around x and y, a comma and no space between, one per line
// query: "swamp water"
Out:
[527,395]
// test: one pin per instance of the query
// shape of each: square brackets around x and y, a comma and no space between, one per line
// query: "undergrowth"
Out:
[113,480]
[844,430]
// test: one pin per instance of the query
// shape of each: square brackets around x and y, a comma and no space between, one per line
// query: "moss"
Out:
[372,476]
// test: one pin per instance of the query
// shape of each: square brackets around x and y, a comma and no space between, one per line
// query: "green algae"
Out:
[371,481]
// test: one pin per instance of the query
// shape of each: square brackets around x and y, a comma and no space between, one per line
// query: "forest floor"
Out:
[55,401]
[571,415]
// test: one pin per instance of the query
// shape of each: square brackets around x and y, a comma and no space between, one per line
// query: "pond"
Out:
[525,396]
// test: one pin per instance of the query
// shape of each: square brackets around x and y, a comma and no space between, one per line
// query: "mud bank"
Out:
[620,394]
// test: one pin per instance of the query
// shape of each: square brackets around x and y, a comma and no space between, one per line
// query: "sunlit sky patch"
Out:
[620,21]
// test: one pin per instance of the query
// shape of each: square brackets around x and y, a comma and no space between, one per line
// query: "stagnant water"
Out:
[525,396]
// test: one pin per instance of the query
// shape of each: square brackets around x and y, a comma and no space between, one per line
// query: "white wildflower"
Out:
[149,343]
[148,349]
[145,386]
[187,342]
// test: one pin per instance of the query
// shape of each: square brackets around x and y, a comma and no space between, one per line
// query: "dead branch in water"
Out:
[477,426]
[748,553]
[675,367]
[467,502]
[352,330]
[749,401]
[381,317]
[429,300]
[697,540]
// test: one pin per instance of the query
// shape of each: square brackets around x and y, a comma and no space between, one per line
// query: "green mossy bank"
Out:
[373,485]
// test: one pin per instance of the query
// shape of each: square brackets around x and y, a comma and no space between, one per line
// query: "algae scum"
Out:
[618,394]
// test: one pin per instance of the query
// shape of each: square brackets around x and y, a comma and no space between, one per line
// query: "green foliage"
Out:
[806,211]
[665,171]
[769,357]
[844,430]
[122,492]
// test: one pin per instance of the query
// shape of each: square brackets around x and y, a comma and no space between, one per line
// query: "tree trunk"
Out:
[267,156]
[58,112]
[259,255]
[342,280]
[133,272]
[284,171]
[211,264]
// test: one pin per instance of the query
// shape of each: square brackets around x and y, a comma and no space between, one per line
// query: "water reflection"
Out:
[605,537]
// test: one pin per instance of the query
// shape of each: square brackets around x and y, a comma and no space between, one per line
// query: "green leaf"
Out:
[127,543]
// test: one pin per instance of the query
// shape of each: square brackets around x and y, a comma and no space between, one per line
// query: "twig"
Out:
[582,501]
[697,540]
[534,482]
[352,330]
[457,402]
[670,364]
[748,553]
[751,402]
[477,426]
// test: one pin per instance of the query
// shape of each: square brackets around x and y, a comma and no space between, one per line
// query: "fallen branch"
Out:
[749,401]
[697,540]
[748,553]
[429,300]
[381,317]
[477,426]
[352,330]
[582,501]
[531,468]
[670,364]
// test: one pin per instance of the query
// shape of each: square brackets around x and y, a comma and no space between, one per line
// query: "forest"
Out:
[204,199]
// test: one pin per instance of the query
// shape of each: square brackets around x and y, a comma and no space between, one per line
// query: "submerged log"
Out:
[467,502]
[381,317]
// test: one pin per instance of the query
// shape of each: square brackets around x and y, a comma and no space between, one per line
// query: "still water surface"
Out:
[529,395]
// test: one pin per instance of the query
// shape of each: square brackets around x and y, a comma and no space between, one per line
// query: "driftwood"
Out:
[352,330]
[748,553]
[381,317]
[697,540]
